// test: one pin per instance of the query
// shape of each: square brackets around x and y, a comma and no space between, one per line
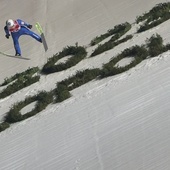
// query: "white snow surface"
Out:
[117,123]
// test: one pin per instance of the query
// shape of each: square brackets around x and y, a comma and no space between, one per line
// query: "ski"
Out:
[13,56]
[40,30]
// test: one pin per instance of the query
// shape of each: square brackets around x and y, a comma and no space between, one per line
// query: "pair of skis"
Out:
[40,30]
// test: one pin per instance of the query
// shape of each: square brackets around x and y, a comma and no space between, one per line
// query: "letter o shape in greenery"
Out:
[78,53]
[43,99]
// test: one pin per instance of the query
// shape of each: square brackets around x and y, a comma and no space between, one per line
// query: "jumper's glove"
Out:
[29,26]
[7,36]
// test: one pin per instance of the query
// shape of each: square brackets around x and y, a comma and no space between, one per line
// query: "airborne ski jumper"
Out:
[17,28]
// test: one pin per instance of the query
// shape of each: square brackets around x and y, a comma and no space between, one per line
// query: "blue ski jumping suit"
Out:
[22,29]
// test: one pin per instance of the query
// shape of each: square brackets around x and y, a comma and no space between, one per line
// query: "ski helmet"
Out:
[10,23]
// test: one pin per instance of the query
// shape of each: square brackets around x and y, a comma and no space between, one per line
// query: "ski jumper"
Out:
[20,28]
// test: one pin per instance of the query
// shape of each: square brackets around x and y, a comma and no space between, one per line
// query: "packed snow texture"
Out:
[121,122]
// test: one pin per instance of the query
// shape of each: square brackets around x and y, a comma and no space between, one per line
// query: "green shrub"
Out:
[80,78]
[43,99]
[139,54]
[21,80]
[13,115]
[109,45]
[78,53]
[20,83]
[3,126]
[29,72]
[155,45]
[62,93]
[116,30]
[157,15]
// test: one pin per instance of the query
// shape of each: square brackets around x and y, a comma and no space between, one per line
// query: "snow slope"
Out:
[120,122]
